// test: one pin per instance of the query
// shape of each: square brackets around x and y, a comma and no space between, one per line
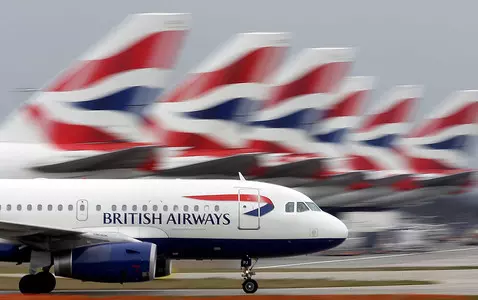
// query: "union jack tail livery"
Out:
[373,146]
[207,111]
[339,118]
[97,103]
[298,98]
[202,120]
[438,146]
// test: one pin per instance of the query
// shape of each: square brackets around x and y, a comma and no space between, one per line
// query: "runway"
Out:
[451,282]
[437,289]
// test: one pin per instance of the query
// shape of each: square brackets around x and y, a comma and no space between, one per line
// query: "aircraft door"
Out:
[249,212]
[82,210]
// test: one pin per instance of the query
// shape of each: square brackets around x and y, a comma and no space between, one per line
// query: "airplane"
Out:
[300,95]
[436,151]
[199,123]
[129,230]
[368,150]
[89,120]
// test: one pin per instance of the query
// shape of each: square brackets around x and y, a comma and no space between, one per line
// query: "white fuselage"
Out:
[185,218]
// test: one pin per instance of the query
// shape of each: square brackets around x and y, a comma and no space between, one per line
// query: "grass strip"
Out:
[7,283]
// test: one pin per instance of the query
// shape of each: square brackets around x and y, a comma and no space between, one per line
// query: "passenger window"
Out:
[39,207]
[98,207]
[206,207]
[19,207]
[216,208]
[175,208]
[50,207]
[123,208]
[165,207]
[289,207]
[301,207]
[135,207]
[196,207]
[70,207]
[60,207]
[113,207]
[29,207]
[155,208]
[186,208]
[145,207]
[9,207]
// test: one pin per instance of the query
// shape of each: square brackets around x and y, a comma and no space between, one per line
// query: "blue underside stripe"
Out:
[131,100]
[455,143]
[303,119]
[385,141]
[237,109]
[335,136]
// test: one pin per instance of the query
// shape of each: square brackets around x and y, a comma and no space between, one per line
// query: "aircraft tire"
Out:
[250,286]
[46,282]
[27,284]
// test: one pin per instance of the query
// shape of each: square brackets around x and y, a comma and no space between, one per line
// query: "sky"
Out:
[426,42]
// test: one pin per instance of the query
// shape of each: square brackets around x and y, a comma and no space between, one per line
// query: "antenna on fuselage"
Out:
[241,177]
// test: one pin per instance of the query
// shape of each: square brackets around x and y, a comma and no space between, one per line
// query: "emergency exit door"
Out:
[249,212]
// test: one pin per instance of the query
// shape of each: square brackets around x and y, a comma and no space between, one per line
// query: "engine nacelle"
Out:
[114,262]
[163,267]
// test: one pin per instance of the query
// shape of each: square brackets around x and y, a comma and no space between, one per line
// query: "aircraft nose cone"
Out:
[340,231]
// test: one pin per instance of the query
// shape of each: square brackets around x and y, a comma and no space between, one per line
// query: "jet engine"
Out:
[113,262]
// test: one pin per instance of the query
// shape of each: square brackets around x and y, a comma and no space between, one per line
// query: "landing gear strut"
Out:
[249,285]
[41,283]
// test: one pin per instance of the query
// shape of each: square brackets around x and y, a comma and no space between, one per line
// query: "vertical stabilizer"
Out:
[99,100]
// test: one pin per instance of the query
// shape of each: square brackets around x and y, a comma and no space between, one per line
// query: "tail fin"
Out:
[298,97]
[342,114]
[101,97]
[440,142]
[208,109]
[372,145]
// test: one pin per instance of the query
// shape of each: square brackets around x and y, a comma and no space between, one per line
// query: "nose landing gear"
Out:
[249,285]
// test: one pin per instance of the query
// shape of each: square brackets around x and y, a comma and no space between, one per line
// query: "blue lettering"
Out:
[147,219]
[157,217]
[171,219]
[198,219]
[187,217]
[209,218]
[218,218]
[226,221]
[107,218]
[116,218]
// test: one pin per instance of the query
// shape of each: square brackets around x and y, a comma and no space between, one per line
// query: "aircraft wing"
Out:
[454,179]
[49,238]
[119,159]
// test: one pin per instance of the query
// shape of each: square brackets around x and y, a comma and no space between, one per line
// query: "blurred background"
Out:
[424,43]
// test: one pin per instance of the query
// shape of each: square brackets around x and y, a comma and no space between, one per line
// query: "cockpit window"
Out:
[289,207]
[301,206]
[313,206]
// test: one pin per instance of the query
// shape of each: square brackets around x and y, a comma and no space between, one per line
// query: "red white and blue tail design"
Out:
[440,143]
[372,147]
[299,97]
[341,116]
[98,102]
[209,109]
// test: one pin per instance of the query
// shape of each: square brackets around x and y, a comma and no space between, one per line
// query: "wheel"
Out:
[27,284]
[250,286]
[46,282]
